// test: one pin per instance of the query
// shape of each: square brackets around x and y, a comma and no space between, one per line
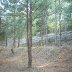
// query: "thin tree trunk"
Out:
[13,34]
[65,25]
[42,30]
[30,23]
[18,42]
[6,42]
[46,26]
[27,26]
[59,25]
[6,37]
[30,37]
[41,37]
[29,34]
[55,25]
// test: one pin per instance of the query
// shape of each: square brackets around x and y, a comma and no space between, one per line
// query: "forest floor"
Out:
[45,59]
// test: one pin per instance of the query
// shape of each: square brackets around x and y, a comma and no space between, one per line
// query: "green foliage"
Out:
[13,1]
[43,16]
[2,36]
[2,31]
[70,25]
[68,14]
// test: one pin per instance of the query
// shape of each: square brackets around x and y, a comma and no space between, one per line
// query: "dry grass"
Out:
[45,59]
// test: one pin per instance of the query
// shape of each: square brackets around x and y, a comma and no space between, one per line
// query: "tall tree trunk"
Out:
[27,26]
[30,37]
[42,30]
[60,24]
[55,25]
[13,34]
[6,36]
[30,23]
[13,38]
[29,33]
[46,26]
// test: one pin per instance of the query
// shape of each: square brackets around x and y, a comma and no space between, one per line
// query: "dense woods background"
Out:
[35,23]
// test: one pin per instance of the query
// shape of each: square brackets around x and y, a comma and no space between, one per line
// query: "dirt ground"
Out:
[45,59]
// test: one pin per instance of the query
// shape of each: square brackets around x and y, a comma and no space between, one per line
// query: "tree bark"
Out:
[14,33]
[6,36]
[55,25]
[59,25]
[18,42]
[29,33]
[42,29]
[6,41]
